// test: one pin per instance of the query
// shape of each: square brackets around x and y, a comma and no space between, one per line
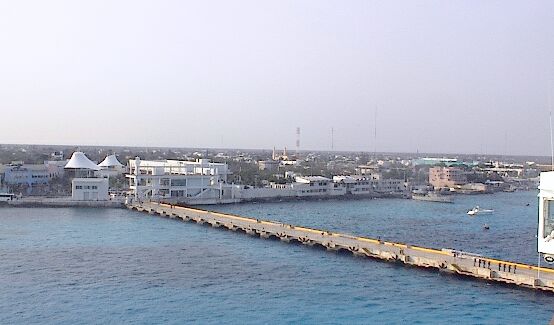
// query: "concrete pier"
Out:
[448,260]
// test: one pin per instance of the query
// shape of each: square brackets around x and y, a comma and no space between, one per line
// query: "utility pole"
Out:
[375,135]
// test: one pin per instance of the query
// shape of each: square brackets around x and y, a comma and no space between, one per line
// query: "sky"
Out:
[392,76]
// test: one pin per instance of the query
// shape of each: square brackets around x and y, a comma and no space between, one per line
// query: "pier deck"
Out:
[444,260]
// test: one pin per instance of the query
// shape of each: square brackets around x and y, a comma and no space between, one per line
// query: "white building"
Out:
[316,186]
[83,186]
[80,163]
[390,186]
[370,184]
[110,167]
[356,184]
[89,189]
[304,186]
[199,181]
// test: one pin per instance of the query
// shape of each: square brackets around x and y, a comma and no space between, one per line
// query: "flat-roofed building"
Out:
[441,177]
[370,184]
[28,178]
[27,174]
[89,189]
[316,186]
[356,184]
[182,181]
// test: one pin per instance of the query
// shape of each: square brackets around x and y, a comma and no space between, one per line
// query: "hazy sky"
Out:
[444,76]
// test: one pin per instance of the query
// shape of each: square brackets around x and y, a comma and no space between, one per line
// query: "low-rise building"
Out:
[356,184]
[84,186]
[441,177]
[370,184]
[183,181]
[89,189]
[27,174]
[390,186]
[29,178]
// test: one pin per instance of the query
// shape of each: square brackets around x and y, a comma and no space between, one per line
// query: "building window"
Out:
[178,182]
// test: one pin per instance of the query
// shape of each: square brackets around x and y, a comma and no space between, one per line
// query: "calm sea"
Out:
[75,266]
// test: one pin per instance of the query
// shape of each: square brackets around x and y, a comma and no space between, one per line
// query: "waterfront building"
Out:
[513,170]
[182,181]
[390,186]
[89,189]
[370,184]
[356,184]
[27,174]
[316,186]
[85,186]
[204,182]
[449,177]
[304,186]
[29,178]
[495,186]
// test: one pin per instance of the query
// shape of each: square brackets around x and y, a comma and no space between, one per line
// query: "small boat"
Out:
[477,210]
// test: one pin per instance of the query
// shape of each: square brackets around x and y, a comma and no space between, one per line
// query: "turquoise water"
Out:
[75,266]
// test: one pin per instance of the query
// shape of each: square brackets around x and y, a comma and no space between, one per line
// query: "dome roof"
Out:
[110,161]
[80,161]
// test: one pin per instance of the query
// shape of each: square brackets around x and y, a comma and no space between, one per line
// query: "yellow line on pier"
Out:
[363,239]
[429,250]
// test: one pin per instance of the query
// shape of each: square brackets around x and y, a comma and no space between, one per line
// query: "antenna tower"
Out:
[375,135]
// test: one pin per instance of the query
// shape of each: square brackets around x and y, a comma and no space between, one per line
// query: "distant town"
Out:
[214,176]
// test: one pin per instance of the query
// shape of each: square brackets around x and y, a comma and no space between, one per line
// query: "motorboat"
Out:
[477,210]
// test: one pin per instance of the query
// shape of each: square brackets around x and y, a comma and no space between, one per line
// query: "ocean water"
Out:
[81,266]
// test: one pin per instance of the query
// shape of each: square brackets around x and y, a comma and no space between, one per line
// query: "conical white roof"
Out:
[110,161]
[80,161]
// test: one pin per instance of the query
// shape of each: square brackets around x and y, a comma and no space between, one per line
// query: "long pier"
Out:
[448,260]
